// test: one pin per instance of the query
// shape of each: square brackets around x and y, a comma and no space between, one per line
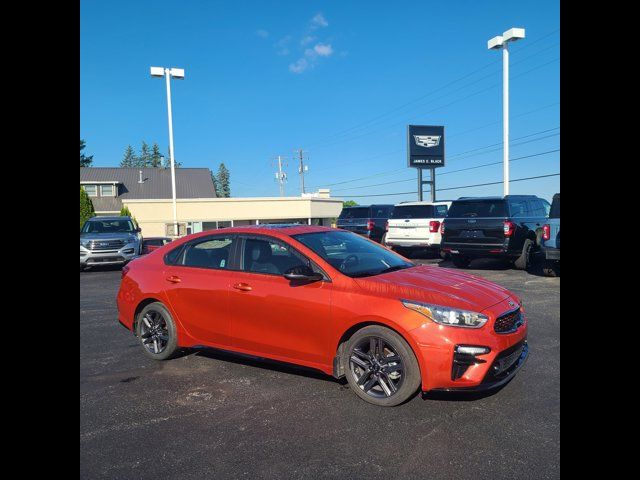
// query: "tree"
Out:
[145,155]
[167,160]
[85,161]
[222,182]
[350,203]
[215,184]
[86,207]
[125,212]
[130,159]
[156,156]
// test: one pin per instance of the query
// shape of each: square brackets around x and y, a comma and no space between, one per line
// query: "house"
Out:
[146,192]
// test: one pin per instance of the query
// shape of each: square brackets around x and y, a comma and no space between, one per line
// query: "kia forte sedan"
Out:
[330,300]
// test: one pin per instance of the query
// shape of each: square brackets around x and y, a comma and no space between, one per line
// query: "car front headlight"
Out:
[85,243]
[452,317]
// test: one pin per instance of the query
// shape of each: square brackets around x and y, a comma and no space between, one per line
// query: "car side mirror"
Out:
[302,273]
[138,229]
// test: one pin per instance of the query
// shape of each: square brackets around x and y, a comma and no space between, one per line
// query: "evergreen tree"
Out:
[85,161]
[130,159]
[167,160]
[222,180]
[215,184]
[125,212]
[86,207]
[145,156]
[156,156]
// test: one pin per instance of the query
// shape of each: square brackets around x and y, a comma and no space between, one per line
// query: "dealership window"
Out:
[182,228]
[92,190]
[107,190]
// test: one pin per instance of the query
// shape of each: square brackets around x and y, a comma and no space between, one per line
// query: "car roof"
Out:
[114,217]
[506,197]
[439,202]
[275,230]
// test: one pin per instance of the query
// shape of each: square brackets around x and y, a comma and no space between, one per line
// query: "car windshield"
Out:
[479,208]
[351,254]
[108,226]
[357,212]
[412,211]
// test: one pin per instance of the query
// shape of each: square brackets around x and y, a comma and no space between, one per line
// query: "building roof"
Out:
[190,183]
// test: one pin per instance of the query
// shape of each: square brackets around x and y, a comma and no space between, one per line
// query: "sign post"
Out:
[425,150]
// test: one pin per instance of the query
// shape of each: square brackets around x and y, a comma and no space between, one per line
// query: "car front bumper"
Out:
[437,343]
[90,258]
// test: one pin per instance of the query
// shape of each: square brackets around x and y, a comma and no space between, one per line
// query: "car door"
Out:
[198,284]
[275,317]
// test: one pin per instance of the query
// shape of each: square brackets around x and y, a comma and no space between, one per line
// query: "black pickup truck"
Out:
[369,221]
[494,227]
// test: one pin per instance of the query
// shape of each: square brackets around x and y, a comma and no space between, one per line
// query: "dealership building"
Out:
[146,192]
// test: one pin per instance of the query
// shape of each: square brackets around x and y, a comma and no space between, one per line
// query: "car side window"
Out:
[261,255]
[172,258]
[518,208]
[210,252]
[546,207]
[441,211]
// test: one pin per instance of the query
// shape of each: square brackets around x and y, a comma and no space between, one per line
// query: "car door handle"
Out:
[173,279]
[244,287]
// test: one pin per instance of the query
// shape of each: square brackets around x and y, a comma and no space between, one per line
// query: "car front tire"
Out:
[380,366]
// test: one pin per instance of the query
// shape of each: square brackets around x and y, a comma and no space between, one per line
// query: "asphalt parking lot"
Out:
[215,415]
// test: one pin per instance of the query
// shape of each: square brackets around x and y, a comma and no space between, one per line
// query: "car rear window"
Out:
[477,208]
[555,207]
[354,212]
[412,211]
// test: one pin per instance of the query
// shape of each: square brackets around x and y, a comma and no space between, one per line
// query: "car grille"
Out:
[509,322]
[97,245]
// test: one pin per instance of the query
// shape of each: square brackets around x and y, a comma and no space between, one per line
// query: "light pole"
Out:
[167,73]
[501,43]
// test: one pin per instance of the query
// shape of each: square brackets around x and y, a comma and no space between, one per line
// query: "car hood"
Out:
[106,236]
[436,285]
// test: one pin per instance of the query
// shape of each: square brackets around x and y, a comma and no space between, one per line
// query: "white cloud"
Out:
[262,33]
[282,45]
[319,21]
[322,49]
[307,39]
[299,66]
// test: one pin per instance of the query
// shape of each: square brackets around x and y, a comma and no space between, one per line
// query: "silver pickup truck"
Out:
[109,241]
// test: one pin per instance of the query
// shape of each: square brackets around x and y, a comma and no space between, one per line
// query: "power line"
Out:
[479,148]
[403,106]
[455,188]
[452,171]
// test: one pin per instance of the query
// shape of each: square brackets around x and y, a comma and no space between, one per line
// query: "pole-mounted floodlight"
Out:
[168,73]
[501,42]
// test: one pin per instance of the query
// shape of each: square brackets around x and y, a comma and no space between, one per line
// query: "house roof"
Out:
[190,182]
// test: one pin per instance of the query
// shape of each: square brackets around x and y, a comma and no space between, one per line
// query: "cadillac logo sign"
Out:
[425,146]
[427,140]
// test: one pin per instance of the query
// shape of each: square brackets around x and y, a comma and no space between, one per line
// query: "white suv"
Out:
[415,225]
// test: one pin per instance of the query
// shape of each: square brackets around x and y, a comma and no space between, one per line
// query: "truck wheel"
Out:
[524,260]
[551,269]
[460,261]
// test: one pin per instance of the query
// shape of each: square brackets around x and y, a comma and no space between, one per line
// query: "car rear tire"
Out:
[380,366]
[551,269]
[524,260]
[460,261]
[156,331]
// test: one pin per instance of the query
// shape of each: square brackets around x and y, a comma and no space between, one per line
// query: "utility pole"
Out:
[281,176]
[301,169]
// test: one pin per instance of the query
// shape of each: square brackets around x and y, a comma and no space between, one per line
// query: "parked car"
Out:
[326,299]
[109,241]
[153,243]
[550,240]
[415,225]
[494,227]
[369,221]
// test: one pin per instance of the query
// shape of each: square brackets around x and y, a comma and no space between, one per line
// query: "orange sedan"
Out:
[327,299]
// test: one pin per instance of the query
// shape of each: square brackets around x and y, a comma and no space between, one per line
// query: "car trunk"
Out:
[410,222]
[476,223]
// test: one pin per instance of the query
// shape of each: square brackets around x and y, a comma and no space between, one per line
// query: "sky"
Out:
[340,80]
